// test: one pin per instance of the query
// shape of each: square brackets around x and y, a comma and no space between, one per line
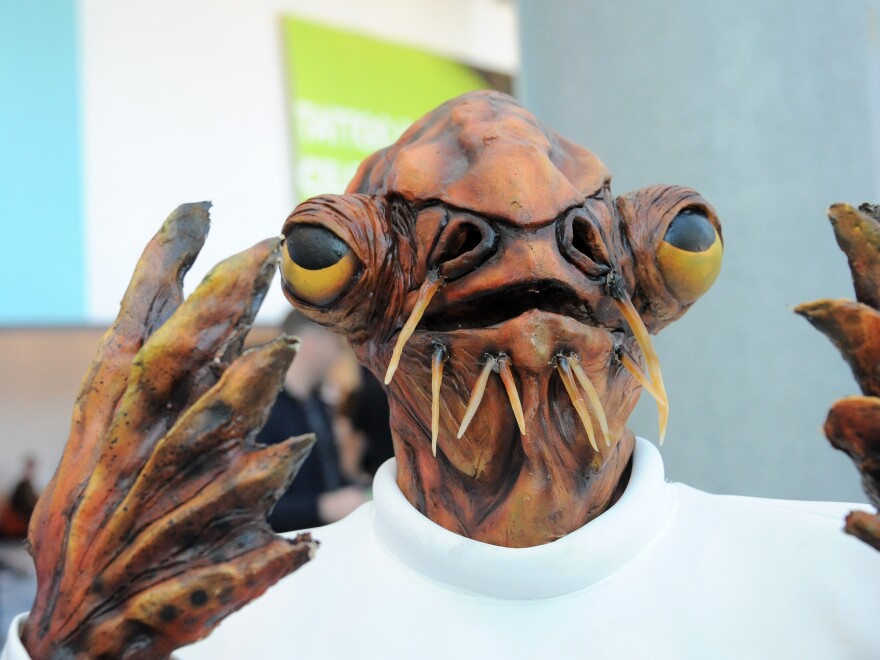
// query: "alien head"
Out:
[481,266]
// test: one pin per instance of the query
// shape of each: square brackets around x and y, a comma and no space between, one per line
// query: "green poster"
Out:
[349,95]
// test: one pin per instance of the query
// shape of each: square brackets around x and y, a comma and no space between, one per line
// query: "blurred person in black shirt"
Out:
[320,492]
[15,515]
[365,430]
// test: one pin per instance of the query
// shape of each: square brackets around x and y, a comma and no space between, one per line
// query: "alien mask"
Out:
[482,268]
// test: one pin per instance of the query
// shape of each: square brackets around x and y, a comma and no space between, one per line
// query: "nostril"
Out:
[581,237]
[467,238]
[464,244]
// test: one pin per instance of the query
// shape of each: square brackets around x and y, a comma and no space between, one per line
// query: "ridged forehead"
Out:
[485,152]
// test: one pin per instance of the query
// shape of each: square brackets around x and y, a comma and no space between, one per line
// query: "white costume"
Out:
[667,572]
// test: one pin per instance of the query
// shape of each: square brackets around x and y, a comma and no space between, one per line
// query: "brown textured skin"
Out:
[853,426]
[153,527]
[522,225]
[858,235]
[853,423]
[854,329]
[864,526]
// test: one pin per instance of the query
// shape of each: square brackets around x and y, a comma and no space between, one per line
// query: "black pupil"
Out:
[691,231]
[314,247]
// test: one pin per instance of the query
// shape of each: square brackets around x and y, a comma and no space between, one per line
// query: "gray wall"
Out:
[770,110]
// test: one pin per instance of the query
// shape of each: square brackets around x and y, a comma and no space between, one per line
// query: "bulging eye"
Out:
[689,256]
[317,266]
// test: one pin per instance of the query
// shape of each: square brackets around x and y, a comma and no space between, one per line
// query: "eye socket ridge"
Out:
[314,247]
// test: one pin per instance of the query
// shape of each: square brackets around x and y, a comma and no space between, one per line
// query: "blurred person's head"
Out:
[30,467]
[318,355]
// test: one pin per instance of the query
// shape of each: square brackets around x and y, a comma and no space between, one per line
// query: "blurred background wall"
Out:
[112,114]
[771,110]
[120,111]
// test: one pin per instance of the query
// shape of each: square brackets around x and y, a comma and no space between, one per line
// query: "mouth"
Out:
[496,307]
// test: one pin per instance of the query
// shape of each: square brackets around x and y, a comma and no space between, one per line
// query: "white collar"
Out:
[571,563]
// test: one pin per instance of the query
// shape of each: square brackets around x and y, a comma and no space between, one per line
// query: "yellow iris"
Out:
[689,274]
[321,285]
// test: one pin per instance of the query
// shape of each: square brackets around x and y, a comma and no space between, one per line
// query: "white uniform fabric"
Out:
[667,572]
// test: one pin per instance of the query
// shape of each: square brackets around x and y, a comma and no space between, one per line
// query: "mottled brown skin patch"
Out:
[521,224]
[853,423]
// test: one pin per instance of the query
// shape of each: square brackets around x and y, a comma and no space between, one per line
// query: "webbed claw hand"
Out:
[153,527]
[853,423]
